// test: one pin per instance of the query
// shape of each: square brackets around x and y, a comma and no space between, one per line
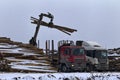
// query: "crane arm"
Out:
[35,21]
[49,25]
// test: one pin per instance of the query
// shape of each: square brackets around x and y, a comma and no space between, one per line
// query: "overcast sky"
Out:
[95,20]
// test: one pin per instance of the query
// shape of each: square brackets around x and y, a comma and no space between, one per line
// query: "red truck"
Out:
[82,56]
[69,57]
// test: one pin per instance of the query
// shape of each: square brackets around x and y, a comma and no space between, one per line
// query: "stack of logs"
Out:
[114,63]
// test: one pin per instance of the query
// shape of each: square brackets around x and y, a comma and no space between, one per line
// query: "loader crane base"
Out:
[39,22]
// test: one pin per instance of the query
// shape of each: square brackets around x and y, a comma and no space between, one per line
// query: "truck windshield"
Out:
[101,54]
[78,51]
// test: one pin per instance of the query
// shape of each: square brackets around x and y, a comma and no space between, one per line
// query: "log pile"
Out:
[24,57]
[114,63]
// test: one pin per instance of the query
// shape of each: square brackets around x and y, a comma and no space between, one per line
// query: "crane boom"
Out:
[50,25]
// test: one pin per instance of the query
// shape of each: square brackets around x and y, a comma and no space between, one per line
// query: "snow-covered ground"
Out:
[60,76]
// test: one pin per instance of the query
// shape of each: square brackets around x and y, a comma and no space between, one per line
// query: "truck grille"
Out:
[79,60]
[102,61]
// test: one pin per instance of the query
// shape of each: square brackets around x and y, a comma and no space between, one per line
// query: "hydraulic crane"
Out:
[50,25]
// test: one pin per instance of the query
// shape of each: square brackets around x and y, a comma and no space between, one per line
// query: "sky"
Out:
[95,20]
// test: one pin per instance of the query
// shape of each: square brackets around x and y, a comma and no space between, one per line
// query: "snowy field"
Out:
[60,76]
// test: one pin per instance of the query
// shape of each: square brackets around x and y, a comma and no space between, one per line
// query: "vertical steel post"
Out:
[48,47]
[46,43]
[38,44]
[52,50]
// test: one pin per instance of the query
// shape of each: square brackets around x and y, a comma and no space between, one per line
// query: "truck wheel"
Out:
[64,68]
[88,68]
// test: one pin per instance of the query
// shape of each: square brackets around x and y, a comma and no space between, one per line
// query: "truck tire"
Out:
[89,68]
[64,68]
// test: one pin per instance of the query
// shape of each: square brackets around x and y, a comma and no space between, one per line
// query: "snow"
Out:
[19,64]
[60,76]
[5,46]
[114,54]
[33,68]
[24,64]
[93,43]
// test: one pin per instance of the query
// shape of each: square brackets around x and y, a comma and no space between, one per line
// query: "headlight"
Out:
[72,65]
[96,65]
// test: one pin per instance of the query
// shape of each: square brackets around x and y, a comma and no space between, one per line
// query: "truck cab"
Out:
[71,57]
[96,56]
